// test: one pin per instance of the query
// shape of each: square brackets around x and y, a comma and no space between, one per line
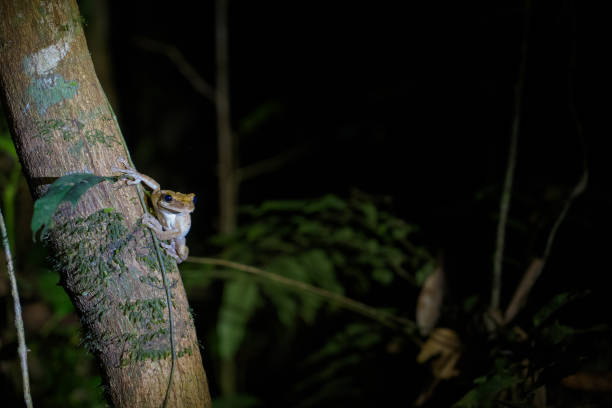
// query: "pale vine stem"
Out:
[22,349]
[159,260]
[535,269]
[504,206]
[384,318]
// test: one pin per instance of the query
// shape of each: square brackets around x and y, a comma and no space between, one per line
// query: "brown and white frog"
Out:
[172,219]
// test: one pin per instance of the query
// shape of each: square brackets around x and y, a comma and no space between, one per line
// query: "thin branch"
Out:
[383,318]
[522,290]
[178,59]
[22,349]
[578,189]
[504,206]
[535,269]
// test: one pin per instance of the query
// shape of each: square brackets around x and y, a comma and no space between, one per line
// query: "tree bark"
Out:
[61,123]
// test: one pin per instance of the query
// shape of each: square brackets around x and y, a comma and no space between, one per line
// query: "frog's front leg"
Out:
[128,173]
[163,235]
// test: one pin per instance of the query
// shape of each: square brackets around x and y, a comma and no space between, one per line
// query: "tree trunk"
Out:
[227,183]
[62,123]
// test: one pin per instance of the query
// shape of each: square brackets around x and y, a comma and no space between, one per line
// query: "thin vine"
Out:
[384,318]
[22,349]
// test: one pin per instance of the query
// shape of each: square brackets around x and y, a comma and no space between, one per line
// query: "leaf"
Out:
[443,350]
[370,212]
[326,203]
[383,276]
[6,145]
[319,269]
[67,188]
[294,268]
[239,301]
[285,305]
[53,294]
[256,231]
[557,332]
[555,303]
[487,389]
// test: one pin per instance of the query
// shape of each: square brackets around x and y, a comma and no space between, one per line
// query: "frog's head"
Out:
[176,202]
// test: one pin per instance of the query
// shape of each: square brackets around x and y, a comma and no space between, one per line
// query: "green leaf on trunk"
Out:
[67,188]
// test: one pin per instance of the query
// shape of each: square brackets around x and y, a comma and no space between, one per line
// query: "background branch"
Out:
[22,349]
[178,59]
[386,319]
[504,206]
[537,265]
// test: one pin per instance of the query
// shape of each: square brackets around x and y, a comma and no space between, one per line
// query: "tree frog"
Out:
[172,219]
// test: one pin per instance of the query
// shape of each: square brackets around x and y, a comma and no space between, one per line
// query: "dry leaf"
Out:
[589,381]
[444,346]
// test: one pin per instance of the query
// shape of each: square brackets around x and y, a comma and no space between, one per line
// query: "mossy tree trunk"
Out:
[62,123]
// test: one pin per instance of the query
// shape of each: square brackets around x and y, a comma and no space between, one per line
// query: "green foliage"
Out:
[54,295]
[70,377]
[486,390]
[9,182]
[555,304]
[343,246]
[237,401]
[68,188]
[239,301]
[557,333]
[334,366]
[63,373]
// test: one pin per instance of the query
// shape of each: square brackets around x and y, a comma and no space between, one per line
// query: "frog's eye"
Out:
[195,199]
[168,197]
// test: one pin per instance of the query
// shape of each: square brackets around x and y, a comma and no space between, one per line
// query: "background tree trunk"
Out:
[227,182]
[62,123]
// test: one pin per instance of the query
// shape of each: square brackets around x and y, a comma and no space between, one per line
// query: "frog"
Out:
[172,212]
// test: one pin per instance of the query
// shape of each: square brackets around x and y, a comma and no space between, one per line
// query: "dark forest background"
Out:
[362,114]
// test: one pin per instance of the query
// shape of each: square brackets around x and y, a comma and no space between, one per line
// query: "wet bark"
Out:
[62,123]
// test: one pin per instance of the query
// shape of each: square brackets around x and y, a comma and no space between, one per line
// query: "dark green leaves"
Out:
[555,304]
[67,188]
[486,390]
[239,302]
[344,246]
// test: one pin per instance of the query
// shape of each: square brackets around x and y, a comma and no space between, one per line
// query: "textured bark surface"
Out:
[62,123]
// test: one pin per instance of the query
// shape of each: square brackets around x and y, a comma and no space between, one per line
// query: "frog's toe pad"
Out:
[150,221]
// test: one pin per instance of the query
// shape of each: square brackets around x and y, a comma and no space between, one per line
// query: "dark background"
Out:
[412,101]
